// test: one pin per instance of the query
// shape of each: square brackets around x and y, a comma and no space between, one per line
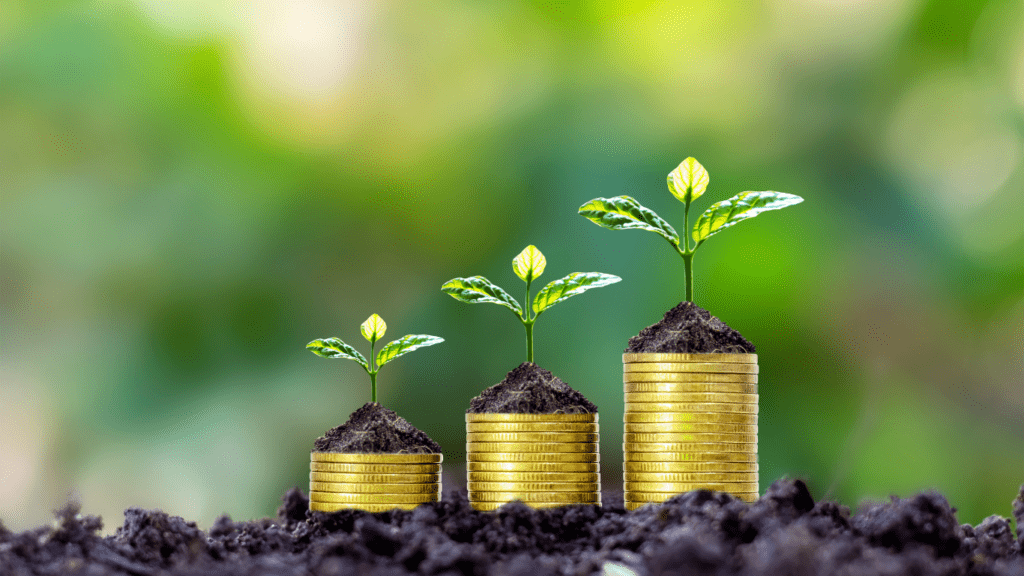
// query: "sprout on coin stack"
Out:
[531,437]
[376,461]
[690,381]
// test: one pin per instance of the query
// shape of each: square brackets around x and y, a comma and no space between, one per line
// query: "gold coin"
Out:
[691,397]
[533,486]
[690,457]
[706,417]
[690,407]
[533,476]
[631,357]
[690,476]
[584,427]
[336,507]
[704,437]
[689,447]
[347,488]
[535,467]
[497,417]
[663,496]
[530,437]
[374,478]
[552,457]
[531,447]
[678,487]
[491,506]
[635,505]
[373,498]
[375,468]
[698,367]
[689,387]
[565,497]
[689,377]
[689,427]
[375,458]
[689,466]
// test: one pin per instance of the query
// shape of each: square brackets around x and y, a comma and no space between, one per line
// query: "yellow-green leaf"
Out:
[625,213]
[373,329]
[571,285]
[738,208]
[478,289]
[529,264]
[335,348]
[404,345]
[688,181]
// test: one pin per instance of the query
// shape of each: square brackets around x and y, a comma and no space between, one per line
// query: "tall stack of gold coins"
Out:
[690,423]
[545,460]
[372,482]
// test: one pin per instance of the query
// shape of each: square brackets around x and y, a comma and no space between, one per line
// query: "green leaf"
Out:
[404,345]
[478,289]
[373,329]
[738,208]
[625,213]
[334,348]
[529,264]
[688,181]
[571,285]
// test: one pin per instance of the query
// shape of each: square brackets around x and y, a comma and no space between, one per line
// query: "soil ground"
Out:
[784,533]
[688,328]
[530,389]
[373,429]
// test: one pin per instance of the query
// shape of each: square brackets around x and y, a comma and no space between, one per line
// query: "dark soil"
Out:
[530,389]
[784,533]
[690,329]
[373,429]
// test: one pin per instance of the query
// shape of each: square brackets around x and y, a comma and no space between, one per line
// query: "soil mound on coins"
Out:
[530,389]
[373,429]
[700,532]
[688,328]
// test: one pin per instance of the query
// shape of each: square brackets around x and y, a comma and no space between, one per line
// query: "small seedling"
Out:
[687,183]
[528,265]
[373,330]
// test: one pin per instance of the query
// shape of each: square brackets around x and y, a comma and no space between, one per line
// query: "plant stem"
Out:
[529,340]
[373,373]
[688,273]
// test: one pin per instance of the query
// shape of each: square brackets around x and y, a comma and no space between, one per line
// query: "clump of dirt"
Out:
[690,329]
[530,389]
[373,429]
[700,532]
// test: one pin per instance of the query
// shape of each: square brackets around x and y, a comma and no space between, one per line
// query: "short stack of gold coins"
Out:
[690,424]
[372,482]
[544,460]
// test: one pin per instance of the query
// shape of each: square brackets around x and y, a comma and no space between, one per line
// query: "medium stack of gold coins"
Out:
[690,424]
[545,460]
[372,482]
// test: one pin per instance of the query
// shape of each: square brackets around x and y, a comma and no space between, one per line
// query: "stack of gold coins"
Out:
[690,424]
[372,482]
[545,460]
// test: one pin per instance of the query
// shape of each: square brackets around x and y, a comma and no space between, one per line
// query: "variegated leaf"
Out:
[529,264]
[744,205]
[625,213]
[688,181]
[404,345]
[373,329]
[477,289]
[571,285]
[335,348]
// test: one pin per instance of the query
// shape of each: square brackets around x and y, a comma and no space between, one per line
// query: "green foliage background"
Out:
[191,191]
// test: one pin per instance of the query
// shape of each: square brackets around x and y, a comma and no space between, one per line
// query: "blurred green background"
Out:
[193,190]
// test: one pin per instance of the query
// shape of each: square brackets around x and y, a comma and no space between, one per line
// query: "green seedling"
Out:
[687,183]
[373,329]
[528,265]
